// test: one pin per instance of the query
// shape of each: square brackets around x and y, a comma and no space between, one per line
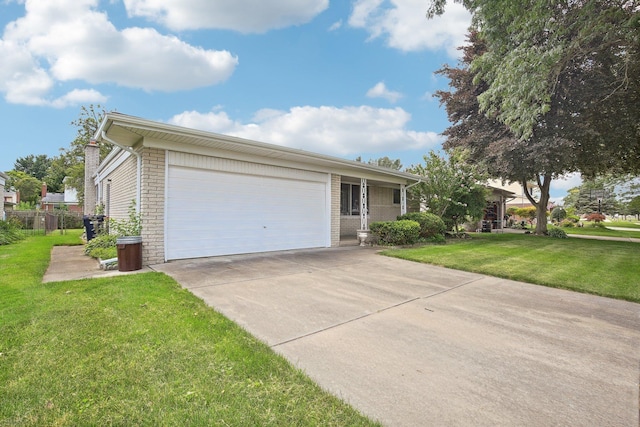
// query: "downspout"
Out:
[139,168]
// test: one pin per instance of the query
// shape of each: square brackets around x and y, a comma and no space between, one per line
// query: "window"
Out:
[396,196]
[350,199]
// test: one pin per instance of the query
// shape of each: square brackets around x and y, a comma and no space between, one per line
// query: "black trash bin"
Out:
[92,225]
[88,227]
[129,253]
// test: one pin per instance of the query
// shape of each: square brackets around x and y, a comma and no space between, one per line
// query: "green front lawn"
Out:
[137,350]
[600,267]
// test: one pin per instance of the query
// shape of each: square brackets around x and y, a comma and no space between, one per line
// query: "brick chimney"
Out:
[44,190]
[91,162]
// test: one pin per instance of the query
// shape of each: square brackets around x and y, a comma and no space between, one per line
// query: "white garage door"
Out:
[212,213]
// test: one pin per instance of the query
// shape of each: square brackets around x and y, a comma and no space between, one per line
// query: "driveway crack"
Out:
[383,309]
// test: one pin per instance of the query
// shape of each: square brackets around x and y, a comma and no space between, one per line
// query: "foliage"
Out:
[598,267]
[490,144]
[402,232]
[634,206]
[86,125]
[558,233]
[30,188]
[384,162]
[100,242]
[567,223]
[449,187]
[132,226]
[9,232]
[138,350]
[558,214]
[25,206]
[430,225]
[529,213]
[563,66]
[595,217]
[32,165]
[593,194]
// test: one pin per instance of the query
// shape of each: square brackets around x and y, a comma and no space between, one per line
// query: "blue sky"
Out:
[343,78]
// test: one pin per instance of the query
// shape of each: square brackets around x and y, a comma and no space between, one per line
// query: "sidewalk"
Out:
[70,263]
[582,236]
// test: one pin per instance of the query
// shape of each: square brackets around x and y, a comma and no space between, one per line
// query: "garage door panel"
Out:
[213,213]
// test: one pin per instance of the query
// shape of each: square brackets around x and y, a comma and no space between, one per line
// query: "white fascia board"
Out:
[335,164]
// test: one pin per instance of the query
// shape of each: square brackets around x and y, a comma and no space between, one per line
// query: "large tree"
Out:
[491,144]
[560,77]
[29,187]
[33,165]
[87,124]
[568,64]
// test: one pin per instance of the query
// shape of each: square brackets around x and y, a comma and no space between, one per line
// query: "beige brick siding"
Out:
[335,210]
[381,208]
[152,194]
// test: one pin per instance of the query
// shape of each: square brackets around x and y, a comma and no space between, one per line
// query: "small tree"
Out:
[558,214]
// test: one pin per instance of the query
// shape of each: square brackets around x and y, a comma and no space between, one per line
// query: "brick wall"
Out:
[381,208]
[152,194]
[335,210]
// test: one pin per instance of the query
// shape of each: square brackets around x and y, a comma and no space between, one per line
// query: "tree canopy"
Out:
[546,88]
[569,67]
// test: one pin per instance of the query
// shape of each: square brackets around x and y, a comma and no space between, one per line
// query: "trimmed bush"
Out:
[567,223]
[558,233]
[430,224]
[402,232]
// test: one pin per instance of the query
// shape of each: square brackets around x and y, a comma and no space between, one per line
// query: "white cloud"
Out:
[566,182]
[329,130]
[79,97]
[380,91]
[336,25]
[67,40]
[405,26]
[245,16]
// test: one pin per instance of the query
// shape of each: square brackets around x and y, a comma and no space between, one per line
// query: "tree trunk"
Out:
[544,183]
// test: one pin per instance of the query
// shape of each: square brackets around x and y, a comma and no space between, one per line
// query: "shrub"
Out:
[558,233]
[430,224]
[568,223]
[558,214]
[9,232]
[595,217]
[402,232]
[96,246]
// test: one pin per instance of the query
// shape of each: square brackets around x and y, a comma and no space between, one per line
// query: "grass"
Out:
[137,350]
[603,268]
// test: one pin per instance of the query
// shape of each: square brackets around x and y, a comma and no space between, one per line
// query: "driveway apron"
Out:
[411,344]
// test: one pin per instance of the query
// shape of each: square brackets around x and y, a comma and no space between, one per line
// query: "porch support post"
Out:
[403,199]
[363,204]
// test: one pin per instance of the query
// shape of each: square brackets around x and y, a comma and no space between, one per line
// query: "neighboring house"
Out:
[67,200]
[3,181]
[496,210]
[203,194]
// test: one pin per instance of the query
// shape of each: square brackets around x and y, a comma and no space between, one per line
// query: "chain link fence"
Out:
[41,222]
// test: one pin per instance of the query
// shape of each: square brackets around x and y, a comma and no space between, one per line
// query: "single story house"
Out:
[203,194]
[52,201]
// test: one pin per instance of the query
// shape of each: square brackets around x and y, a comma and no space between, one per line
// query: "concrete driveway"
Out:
[412,345]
